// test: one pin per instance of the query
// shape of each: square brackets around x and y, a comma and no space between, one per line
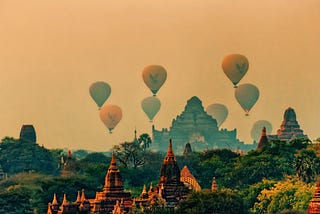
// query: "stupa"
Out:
[289,128]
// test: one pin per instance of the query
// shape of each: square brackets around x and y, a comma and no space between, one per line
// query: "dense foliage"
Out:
[279,178]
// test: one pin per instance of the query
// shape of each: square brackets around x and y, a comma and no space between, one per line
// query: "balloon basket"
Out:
[235,86]
[247,114]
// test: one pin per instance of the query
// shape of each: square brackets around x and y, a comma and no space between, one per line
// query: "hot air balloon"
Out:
[218,111]
[100,92]
[257,128]
[154,76]
[110,116]
[247,95]
[151,106]
[235,66]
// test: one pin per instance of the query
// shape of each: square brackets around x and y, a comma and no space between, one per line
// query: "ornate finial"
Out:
[144,190]
[54,201]
[214,185]
[78,200]
[135,134]
[83,197]
[69,154]
[170,151]
[64,202]
[264,132]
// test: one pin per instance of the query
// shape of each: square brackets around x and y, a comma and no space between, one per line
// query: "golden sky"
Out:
[51,51]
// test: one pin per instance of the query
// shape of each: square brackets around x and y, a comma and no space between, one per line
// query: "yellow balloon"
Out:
[110,115]
[235,66]
[154,76]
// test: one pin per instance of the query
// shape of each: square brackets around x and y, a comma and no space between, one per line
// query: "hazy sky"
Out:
[52,50]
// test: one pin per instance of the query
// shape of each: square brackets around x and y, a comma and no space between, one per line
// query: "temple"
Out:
[189,180]
[170,189]
[113,197]
[198,128]
[289,128]
[314,205]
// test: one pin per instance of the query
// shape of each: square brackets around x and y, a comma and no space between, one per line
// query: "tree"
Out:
[222,201]
[129,154]
[307,165]
[144,141]
[285,195]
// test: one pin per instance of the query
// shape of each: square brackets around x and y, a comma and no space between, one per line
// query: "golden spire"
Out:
[144,190]
[150,189]
[214,185]
[170,151]
[83,197]
[54,201]
[78,198]
[64,202]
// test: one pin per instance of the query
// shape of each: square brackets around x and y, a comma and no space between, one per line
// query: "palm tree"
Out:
[144,141]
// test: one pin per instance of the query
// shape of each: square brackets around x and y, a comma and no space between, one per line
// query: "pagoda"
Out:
[195,126]
[172,189]
[105,202]
[289,128]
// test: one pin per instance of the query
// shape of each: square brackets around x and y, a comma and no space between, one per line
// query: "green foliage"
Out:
[222,201]
[307,165]
[284,195]
[18,157]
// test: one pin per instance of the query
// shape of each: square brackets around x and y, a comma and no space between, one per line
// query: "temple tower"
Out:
[28,134]
[172,189]
[314,205]
[290,128]
[263,139]
[113,180]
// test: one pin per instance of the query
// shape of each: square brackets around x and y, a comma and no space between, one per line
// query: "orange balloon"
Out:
[154,76]
[235,66]
[110,115]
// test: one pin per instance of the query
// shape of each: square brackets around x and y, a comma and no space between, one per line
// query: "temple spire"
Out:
[214,185]
[83,197]
[54,201]
[78,200]
[64,202]
[170,151]
[263,139]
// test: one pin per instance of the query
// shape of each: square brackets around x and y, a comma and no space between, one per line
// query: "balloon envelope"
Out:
[151,106]
[257,129]
[235,66]
[100,92]
[154,76]
[110,115]
[247,95]
[219,112]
